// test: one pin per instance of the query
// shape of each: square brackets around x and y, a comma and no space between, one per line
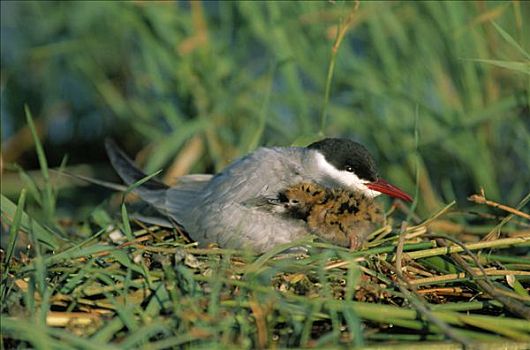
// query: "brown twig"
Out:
[480,199]
[505,242]
[442,290]
[344,26]
[416,300]
[261,322]
[453,276]
[342,29]
[512,305]
[64,319]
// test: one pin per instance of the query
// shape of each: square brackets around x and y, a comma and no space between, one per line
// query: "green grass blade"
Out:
[521,67]
[44,235]
[15,226]
[13,234]
[48,196]
[31,187]
[511,40]
[126,223]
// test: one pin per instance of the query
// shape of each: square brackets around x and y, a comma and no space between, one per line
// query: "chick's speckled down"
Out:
[338,216]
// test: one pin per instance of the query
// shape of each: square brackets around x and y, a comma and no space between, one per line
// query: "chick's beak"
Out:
[382,186]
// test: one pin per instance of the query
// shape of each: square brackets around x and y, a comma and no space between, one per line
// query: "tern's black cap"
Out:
[345,154]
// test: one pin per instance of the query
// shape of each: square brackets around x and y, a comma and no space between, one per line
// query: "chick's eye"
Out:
[349,168]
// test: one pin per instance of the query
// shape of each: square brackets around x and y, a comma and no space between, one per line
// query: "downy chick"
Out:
[336,215]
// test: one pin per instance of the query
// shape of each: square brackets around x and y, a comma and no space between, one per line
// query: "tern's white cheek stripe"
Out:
[345,178]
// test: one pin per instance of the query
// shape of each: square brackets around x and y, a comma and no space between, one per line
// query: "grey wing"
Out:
[228,209]
[181,198]
[236,184]
[262,173]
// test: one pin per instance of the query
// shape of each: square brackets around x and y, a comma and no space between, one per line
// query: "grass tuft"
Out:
[155,291]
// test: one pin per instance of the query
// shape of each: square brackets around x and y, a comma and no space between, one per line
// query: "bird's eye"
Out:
[349,168]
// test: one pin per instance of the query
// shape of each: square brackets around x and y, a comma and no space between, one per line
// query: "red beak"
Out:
[382,186]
